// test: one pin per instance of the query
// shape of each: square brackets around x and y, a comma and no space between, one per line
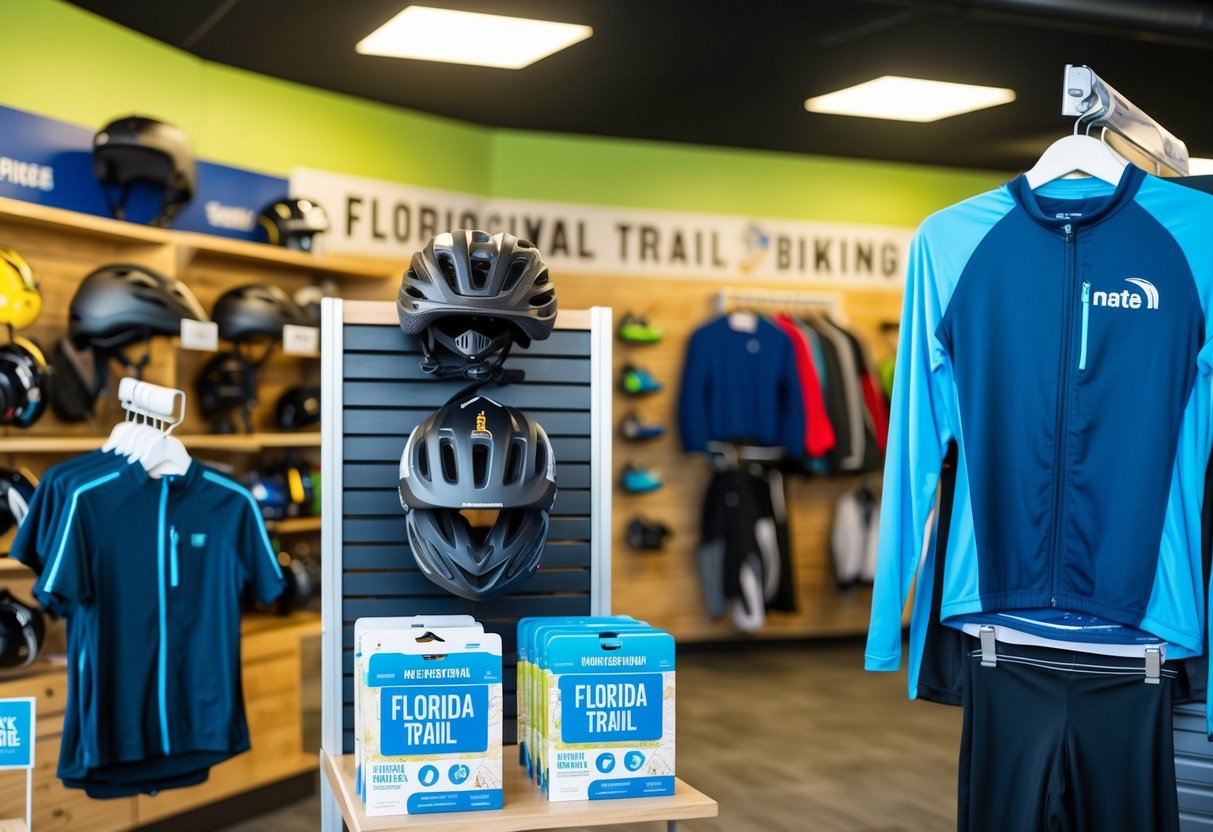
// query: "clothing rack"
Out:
[727,299]
[1097,104]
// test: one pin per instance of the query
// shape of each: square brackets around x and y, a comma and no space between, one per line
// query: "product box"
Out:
[432,715]
[609,719]
[527,630]
[373,629]
[540,739]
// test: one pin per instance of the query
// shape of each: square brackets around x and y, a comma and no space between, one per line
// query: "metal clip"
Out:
[1153,665]
[989,656]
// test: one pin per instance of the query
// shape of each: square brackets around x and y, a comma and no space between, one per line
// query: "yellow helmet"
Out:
[20,302]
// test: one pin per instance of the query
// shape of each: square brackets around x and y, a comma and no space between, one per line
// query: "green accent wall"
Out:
[63,62]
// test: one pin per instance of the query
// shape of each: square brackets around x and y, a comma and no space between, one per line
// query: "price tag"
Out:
[199,335]
[300,340]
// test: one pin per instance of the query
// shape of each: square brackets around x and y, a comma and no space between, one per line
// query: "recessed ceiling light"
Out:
[1200,167]
[428,34]
[909,99]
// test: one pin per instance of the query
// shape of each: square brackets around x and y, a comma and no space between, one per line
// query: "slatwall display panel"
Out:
[385,395]
[1193,769]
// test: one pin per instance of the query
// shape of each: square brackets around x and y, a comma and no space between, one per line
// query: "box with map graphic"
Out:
[609,714]
[432,716]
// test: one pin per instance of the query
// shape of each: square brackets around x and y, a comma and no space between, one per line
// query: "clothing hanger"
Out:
[1077,153]
[166,454]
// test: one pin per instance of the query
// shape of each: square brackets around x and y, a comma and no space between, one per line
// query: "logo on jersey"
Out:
[198,539]
[1127,299]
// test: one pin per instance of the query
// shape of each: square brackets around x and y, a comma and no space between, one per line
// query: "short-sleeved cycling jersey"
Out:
[151,572]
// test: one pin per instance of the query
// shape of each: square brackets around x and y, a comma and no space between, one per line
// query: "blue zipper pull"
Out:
[1069,229]
[1086,314]
[173,538]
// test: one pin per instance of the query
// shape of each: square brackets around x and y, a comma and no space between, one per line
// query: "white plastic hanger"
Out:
[1077,154]
[164,455]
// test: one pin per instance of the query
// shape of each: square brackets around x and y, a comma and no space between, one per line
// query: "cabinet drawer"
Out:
[57,809]
[50,689]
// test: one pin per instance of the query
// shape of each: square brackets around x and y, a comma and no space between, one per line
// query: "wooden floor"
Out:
[789,740]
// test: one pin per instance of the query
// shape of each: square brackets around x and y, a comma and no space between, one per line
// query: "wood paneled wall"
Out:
[663,587]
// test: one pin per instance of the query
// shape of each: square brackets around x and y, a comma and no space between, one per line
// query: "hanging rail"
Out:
[727,299]
[1096,104]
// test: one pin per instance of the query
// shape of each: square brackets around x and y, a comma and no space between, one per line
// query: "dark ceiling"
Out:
[737,74]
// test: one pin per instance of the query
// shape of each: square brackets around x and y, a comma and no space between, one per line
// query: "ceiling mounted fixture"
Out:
[909,99]
[1200,167]
[427,34]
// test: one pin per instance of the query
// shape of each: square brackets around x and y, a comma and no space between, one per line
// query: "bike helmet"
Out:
[270,494]
[293,223]
[22,631]
[256,311]
[24,376]
[470,295]
[16,492]
[20,301]
[298,407]
[224,384]
[123,303]
[477,454]
[134,149]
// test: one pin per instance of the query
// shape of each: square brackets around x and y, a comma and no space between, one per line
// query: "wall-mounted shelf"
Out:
[235,443]
[191,245]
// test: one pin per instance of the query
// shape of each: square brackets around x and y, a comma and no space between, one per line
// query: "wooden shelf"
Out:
[236,443]
[191,245]
[293,525]
[194,245]
[73,222]
[525,806]
[10,568]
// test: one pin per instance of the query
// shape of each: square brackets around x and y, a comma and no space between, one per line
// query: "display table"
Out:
[525,807]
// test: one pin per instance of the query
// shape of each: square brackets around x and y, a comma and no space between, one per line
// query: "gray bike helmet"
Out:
[469,295]
[258,310]
[477,454]
[123,303]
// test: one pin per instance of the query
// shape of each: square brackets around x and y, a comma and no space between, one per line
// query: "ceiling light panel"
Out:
[428,34]
[909,99]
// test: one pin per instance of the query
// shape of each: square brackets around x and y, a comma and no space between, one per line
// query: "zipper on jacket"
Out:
[173,538]
[1063,406]
[162,670]
[1086,314]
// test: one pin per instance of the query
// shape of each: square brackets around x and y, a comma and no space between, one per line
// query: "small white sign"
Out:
[199,335]
[300,340]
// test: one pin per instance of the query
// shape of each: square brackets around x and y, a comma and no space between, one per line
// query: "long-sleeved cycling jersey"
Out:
[1061,338]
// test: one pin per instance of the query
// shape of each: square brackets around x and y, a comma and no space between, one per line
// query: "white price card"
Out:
[199,335]
[300,340]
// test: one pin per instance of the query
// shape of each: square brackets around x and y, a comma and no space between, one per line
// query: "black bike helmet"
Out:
[293,223]
[24,377]
[469,295]
[16,492]
[22,631]
[298,407]
[255,311]
[225,383]
[135,149]
[123,303]
[477,454]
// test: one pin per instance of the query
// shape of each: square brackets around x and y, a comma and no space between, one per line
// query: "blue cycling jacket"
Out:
[1061,338]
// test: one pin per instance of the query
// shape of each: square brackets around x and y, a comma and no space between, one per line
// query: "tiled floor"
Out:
[791,740]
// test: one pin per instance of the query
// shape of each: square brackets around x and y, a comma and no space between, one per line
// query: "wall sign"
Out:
[388,219]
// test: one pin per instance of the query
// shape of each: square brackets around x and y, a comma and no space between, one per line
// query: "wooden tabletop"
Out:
[525,806]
